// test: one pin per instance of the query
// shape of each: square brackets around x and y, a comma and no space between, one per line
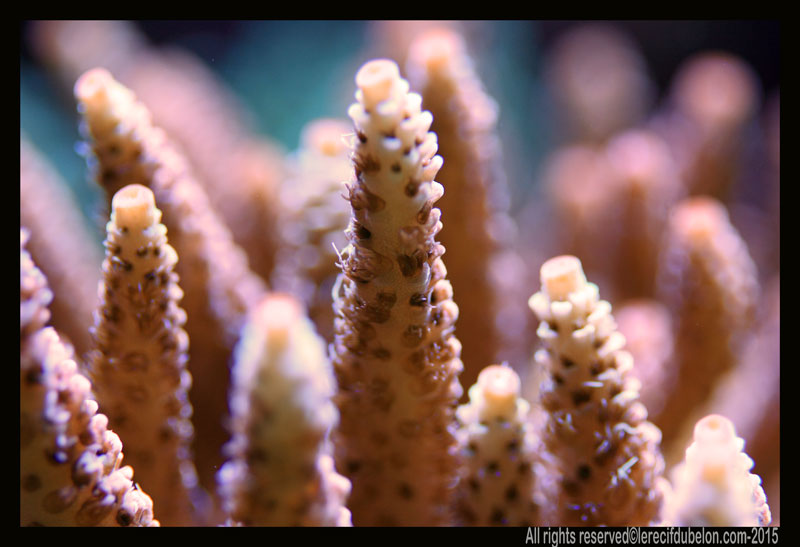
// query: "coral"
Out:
[647,327]
[396,359]
[61,243]
[138,368]
[219,288]
[492,321]
[709,283]
[714,98]
[599,82]
[603,448]
[713,486]
[70,463]
[316,218]
[498,479]
[280,471]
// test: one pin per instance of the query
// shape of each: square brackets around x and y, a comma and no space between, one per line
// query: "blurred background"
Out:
[287,73]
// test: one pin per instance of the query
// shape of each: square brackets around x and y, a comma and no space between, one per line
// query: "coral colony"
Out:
[359,332]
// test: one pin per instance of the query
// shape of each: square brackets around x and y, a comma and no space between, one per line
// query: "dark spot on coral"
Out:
[31,483]
[567,362]
[124,518]
[361,231]
[580,397]
[558,379]
[141,251]
[418,299]
[512,493]
[382,353]
[570,487]
[405,491]
[411,189]
[513,445]
[353,466]
[497,517]
[492,467]
[361,137]
[584,472]
[396,168]
[474,485]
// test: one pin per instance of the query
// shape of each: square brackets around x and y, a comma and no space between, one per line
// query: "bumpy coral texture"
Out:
[498,447]
[70,463]
[281,470]
[316,218]
[604,451]
[492,321]
[61,243]
[713,486]
[139,365]
[710,285]
[396,359]
[219,288]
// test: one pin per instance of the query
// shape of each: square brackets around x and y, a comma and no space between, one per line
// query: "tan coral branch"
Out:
[396,359]
[281,468]
[139,364]
[70,462]
[604,451]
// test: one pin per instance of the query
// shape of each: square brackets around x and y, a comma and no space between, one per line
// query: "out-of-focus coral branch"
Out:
[70,472]
[396,359]
[709,283]
[281,468]
[61,243]
[239,171]
[498,479]
[714,486]
[604,451]
[316,217]
[599,81]
[479,235]
[218,285]
[647,327]
[714,97]
[138,366]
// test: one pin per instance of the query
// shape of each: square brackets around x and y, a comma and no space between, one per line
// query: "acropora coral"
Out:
[338,335]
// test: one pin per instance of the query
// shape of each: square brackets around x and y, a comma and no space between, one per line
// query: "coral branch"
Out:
[61,243]
[709,284]
[316,219]
[219,288]
[499,452]
[604,450]
[281,470]
[396,359]
[70,472]
[492,321]
[139,365]
[713,486]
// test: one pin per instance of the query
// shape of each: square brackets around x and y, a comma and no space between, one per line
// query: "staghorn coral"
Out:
[492,323]
[498,478]
[70,463]
[603,449]
[713,486]
[395,356]
[611,219]
[709,283]
[280,471]
[316,218]
[138,367]
[61,243]
[219,288]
